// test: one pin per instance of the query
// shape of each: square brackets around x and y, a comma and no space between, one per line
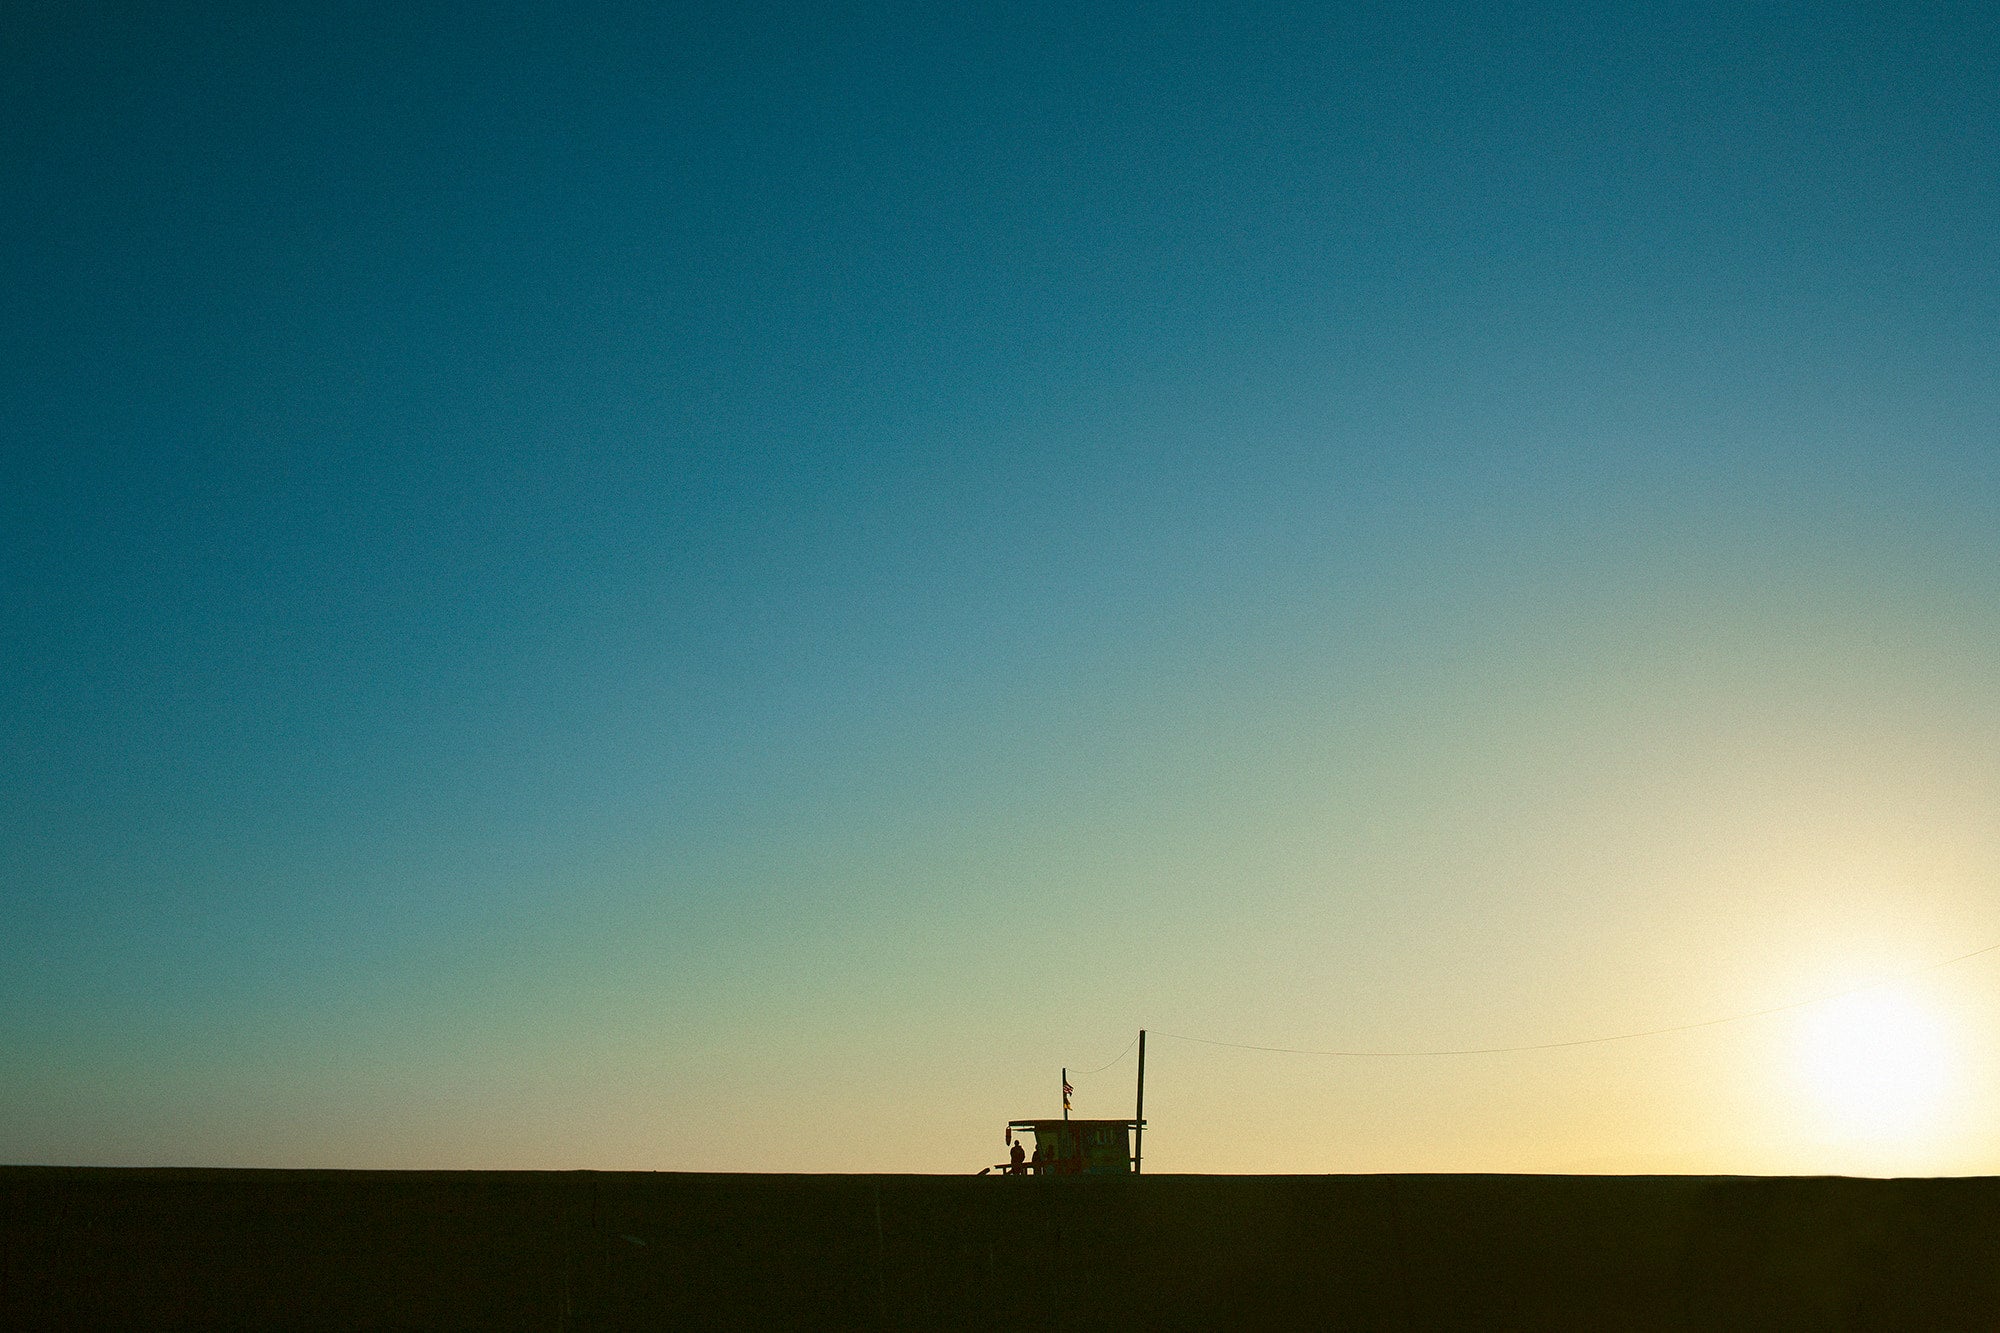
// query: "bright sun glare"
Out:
[1877,1062]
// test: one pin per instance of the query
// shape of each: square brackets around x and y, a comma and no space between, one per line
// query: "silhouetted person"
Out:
[1037,1165]
[1015,1157]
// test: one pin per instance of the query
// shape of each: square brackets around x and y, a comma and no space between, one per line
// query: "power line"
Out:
[1114,1059]
[1592,1041]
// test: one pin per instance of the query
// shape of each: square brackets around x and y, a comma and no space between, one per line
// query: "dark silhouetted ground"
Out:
[167,1249]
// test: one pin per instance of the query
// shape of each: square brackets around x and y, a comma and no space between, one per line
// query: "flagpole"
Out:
[1065,1092]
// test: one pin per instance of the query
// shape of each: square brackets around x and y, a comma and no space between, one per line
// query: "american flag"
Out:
[1067,1090]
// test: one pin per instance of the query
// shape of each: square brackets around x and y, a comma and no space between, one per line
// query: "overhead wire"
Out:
[1590,1041]
[1086,1073]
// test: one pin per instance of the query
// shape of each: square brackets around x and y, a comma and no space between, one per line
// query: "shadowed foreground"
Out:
[587,1250]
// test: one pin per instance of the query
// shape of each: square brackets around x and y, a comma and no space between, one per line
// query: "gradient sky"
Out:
[662,586]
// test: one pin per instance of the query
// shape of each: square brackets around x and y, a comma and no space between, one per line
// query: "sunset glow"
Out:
[1878,1065]
[713,587]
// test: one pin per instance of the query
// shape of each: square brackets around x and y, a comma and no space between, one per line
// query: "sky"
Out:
[685,587]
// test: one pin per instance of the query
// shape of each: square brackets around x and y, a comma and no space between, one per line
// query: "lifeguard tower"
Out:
[1079,1147]
[1069,1147]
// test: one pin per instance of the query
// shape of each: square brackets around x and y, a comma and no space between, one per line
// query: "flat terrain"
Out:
[165,1249]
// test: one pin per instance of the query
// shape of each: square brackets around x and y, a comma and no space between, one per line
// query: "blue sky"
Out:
[572,573]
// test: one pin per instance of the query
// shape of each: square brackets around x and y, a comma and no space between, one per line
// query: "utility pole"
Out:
[1139,1129]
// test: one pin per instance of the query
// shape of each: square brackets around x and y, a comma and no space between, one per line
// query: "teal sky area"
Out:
[734,587]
